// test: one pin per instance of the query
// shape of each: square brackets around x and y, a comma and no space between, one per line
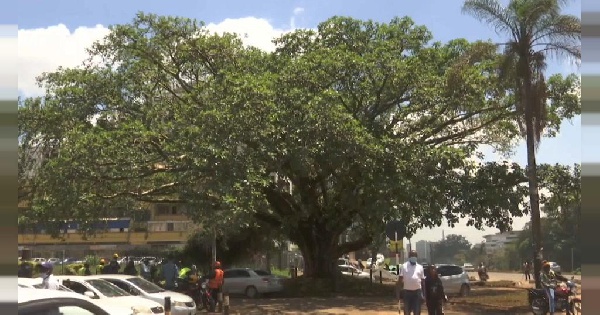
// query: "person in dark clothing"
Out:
[527,271]
[130,268]
[25,270]
[434,292]
[113,266]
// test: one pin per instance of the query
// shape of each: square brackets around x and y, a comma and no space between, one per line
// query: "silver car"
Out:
[554,266]
[454,278]
[246,281]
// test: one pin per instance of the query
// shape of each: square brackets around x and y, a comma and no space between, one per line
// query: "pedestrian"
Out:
[130,268]
[85,270]
[434,292]
[527,271]
[113,266]
[170,274]
[411,277]
[146,270]
[48,280]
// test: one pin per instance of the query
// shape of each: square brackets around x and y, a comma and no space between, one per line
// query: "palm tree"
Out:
[536,30]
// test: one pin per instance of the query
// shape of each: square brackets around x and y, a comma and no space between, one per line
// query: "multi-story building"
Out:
[494,242]
[423,249]
[164,226]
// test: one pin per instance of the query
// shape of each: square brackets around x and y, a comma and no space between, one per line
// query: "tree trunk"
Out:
[534,198]
[319,256]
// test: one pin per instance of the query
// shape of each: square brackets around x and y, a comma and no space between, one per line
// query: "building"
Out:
[423,249]
[494,242]
[165,226]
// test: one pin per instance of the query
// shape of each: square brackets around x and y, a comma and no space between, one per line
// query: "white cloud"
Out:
[298,11]
[8,56]
[254,31]
[45,49]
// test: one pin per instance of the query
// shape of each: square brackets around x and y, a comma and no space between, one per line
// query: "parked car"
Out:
[247,282]
[99,289]
[468,267]
[181,303]
[32,301]
[38,260]
[36,283]
[353,271]
[455,279]
[264,273]
[554,266]
[72,260]
[42,301]
[54,260]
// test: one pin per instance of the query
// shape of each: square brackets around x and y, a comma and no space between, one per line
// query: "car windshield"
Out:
[106,288]
[145,285]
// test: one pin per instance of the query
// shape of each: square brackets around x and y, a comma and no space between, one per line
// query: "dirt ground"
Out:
[340,305]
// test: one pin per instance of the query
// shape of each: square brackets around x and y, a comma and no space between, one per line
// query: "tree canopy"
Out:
[445,250]
[368,121]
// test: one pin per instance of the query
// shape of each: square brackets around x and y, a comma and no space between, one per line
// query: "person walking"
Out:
[170,274]
[434,292]
[411,277]
[146,270]
[527,271]
[100,267]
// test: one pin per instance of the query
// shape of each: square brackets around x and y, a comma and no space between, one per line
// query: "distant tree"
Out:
[445,250]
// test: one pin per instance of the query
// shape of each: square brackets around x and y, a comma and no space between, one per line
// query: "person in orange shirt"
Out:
[215,281]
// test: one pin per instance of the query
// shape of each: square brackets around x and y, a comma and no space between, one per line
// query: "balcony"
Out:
[133,238]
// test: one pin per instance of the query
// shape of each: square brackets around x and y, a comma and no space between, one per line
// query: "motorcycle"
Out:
[483,275]
[564,299]
[207,301]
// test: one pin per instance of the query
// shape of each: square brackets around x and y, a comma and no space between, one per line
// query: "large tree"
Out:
[368,121]
[535,30]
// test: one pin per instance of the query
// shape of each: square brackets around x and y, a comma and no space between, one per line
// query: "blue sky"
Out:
[442,17]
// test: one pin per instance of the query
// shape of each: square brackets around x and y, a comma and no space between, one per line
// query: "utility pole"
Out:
[214,245]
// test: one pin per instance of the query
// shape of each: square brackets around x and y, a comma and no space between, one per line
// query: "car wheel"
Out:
[464,290]
[251,292]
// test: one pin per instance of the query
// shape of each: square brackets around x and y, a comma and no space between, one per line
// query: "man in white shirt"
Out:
[48,280]
[412,276]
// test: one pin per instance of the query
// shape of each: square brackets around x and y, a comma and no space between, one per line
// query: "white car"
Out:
[349,270]
[54,261]
[454,278]
[42,301]
[36,283]
[247,282]
[468,267]
[181,303]
[554,266]
[99,289]
[38,260]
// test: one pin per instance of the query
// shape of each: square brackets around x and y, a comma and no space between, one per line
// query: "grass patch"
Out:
[280,272]
[497,300]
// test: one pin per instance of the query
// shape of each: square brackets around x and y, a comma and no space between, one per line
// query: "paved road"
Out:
[511,276]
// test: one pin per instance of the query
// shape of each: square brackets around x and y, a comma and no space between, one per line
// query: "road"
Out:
[512,276]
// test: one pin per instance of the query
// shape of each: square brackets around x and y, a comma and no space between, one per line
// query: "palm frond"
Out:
[494,14]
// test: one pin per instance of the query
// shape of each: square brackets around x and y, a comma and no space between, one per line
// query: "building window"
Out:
[163,209]
[170,227]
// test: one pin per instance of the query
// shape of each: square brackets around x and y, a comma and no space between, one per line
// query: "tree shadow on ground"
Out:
[358,305]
